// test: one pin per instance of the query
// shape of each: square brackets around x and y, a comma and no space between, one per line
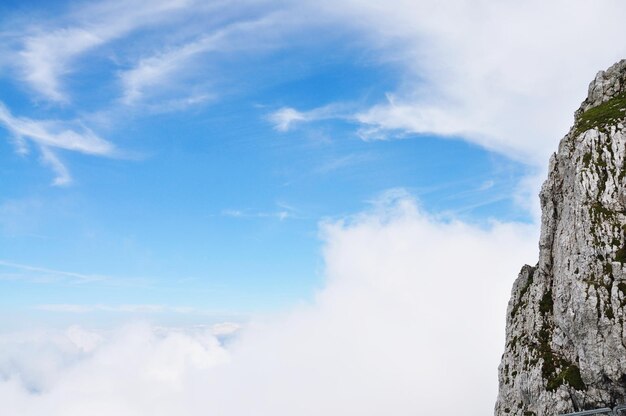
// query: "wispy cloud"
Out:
[62,175]
[179,104]
[168,66]
[399,118]
[342,162]
[45,58]
[461,75]
[132,308]
[167,73]
[56,134]
[282,212]
[386,120]
[237,213]
[48,54]
[488,184]
[158,69]
[286,118]
[24,271]
[49,134]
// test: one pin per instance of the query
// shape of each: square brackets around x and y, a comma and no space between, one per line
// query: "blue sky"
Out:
[209,206]
[183,154]
[271,207]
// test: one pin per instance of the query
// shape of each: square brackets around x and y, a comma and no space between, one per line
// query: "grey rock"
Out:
[565,344]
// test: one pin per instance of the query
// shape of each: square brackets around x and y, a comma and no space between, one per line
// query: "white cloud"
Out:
[285,118]
[48,134]
[50,53]
[156,70]
[35,364]
[225,328]
[505,75]
[62,174]
[45,51]
[57,134]
[45,58]
[412,310]
[167,68]
[178,104]
[282,214]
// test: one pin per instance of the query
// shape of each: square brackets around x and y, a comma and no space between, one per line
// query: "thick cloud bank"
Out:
[506,75]
[410,321]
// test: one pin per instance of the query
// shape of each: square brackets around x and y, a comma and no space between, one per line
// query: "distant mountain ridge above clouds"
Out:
[565,342]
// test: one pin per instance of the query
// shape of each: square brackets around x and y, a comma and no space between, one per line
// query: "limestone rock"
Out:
[565,344]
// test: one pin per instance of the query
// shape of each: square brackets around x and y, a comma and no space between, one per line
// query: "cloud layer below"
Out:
[410,321]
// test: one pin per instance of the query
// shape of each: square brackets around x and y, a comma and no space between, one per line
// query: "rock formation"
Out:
[565,342]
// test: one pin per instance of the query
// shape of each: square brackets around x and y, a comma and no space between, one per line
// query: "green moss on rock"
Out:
[620,255]
[522,292]
[546,304]
[605,114]
[570,376]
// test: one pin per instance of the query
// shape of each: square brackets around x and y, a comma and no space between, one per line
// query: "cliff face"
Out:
[565,342]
